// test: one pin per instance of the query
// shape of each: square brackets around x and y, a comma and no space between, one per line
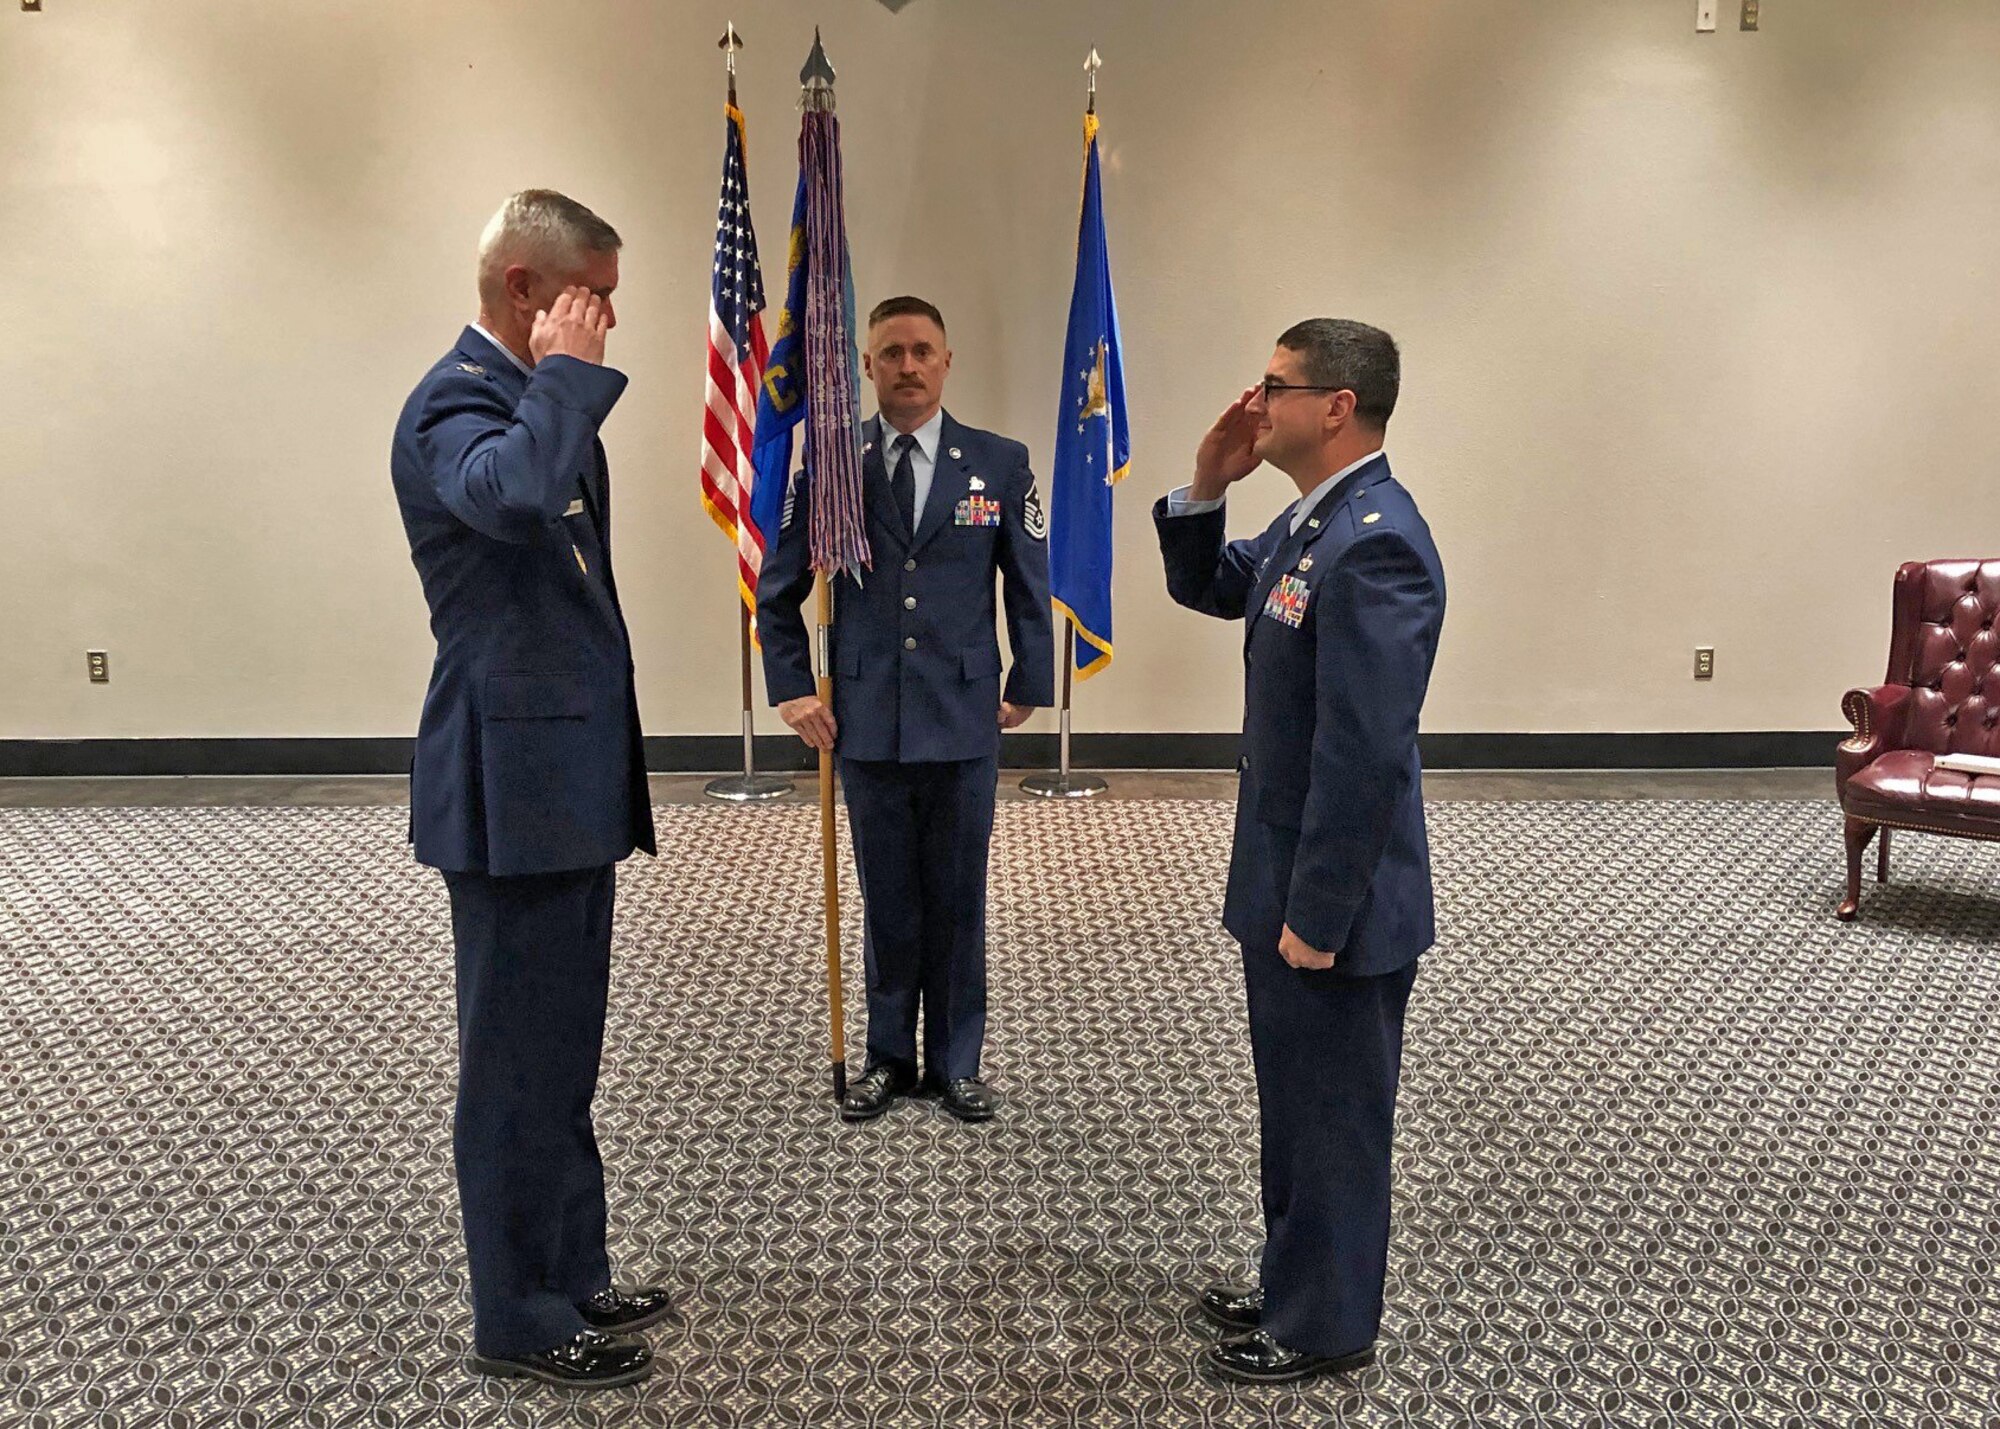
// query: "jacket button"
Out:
[909,642]
[909,602]
[910,565]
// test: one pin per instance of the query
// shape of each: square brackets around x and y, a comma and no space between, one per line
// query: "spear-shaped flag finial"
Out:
[818,71]
[1090,68]
[729,44]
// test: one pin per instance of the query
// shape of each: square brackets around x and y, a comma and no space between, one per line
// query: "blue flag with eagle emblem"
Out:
[1093,441]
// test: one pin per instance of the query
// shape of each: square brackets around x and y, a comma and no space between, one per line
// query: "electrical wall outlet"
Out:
[1704,15]
[1749,14]
[100,666]
[1704,662]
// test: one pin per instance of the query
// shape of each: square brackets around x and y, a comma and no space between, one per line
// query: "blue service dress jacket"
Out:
[528,755]
[1342,625]
[916,657]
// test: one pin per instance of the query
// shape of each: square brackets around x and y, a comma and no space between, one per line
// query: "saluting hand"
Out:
[574,327]
[1228,452]
[1292,948]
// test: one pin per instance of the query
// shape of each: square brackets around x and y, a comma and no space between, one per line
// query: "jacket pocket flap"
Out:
[982,664]
[537,695]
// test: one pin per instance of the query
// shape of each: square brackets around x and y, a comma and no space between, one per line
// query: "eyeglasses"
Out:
[1272,384]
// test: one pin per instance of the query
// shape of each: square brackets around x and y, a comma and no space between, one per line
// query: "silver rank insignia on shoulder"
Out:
[474,368]
[1305,563]
[976,484]
[1371,518]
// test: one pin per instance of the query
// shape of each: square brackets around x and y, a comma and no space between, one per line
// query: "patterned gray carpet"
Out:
[1676,1148]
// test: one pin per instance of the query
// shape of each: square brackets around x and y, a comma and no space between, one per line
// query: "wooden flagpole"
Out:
[828,850]
[816,84]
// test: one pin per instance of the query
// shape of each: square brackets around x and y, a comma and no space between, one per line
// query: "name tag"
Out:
[575,508]
[976,511]
[1287,601]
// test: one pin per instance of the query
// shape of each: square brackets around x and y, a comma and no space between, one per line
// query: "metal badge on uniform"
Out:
[579,560]
[1313,521]
[1371,518]
[957,455]
[474,368]
[575,508]
[1305,563]
[976,511]
[1287,601]
[976,484]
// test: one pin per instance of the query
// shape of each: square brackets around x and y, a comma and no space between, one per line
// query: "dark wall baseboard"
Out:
[704,753]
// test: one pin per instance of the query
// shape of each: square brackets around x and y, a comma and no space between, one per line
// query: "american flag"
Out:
[737,353]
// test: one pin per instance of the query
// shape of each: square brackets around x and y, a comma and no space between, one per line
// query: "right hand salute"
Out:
[1227,453]
[574,327]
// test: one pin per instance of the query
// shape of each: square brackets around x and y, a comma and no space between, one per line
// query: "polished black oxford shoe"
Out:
[620,1312]
[590,1360]
[1233,1307]
[969,1099]
[1256,1358]
[876,1092]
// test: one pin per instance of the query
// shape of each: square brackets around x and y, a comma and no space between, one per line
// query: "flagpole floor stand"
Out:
[1050,785]
[748,788]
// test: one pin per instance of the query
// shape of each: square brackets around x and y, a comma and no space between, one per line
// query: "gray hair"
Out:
[543,229]
[1340,353]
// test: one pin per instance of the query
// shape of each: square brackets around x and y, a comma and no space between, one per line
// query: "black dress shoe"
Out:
[589,1361]
[620,1312]
[876,1092]
[969,1099]
[1232,1306]
[1256,1358]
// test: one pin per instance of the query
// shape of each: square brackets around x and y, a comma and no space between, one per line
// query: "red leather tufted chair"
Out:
[1941,696]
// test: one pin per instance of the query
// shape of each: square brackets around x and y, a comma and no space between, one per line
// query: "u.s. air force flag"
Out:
[1093,442]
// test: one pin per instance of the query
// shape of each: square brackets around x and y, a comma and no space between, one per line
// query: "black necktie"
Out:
[903,483]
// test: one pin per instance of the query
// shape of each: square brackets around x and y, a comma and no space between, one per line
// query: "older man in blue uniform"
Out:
[1329,876]
[919,701]
[529,784]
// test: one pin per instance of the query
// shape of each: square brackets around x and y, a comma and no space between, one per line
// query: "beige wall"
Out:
[1701,333]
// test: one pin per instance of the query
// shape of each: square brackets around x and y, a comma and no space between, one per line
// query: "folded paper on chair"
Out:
[1969,763]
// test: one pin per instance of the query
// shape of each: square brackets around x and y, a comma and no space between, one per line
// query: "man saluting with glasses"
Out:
[1329,876]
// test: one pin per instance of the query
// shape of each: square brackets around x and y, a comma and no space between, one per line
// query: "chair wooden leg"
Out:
[1859,832]
[1882,859]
